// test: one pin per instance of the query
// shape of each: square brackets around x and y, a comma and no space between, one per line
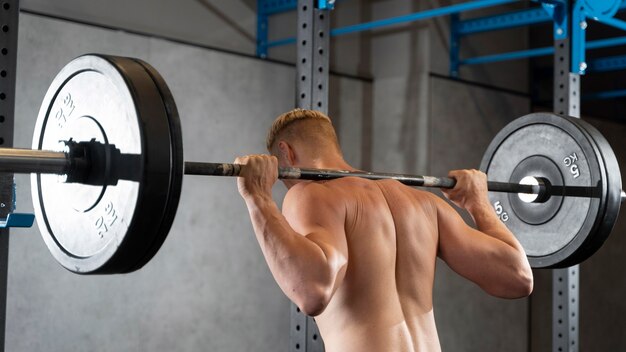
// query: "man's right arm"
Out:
[490,255]
[306,250]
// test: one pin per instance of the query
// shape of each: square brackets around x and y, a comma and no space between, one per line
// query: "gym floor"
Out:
[396,110]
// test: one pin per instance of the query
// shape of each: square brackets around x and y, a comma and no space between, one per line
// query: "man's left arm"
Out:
[308,254]
[490,255]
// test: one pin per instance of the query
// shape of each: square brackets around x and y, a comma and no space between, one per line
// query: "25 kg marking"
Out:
[106,221]
[62,115]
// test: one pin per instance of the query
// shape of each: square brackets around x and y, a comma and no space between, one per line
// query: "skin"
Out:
[360,255]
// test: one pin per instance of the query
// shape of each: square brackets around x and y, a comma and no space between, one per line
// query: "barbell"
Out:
[107,166]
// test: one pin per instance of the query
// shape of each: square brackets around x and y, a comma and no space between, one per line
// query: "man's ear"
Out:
[287,152]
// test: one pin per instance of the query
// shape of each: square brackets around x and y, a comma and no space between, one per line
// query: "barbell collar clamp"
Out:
[86,162]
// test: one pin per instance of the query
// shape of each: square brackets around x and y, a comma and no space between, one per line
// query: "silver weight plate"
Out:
[92,229]
[562,231]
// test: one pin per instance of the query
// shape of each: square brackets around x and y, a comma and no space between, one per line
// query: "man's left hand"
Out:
[470,189]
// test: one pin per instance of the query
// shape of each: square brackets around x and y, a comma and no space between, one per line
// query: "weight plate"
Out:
[176,152]
[562,231]
[115,228]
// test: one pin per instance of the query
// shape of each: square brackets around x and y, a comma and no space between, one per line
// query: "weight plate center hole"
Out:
[528,197]
[543,185]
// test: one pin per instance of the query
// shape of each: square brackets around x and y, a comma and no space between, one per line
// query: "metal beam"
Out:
[523,54]
[527,17]
[608,94]
[513,55]
[612,63]
[418,16]
[272,7]
[504,21]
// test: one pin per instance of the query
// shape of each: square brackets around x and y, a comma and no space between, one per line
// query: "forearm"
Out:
[489,223]
[512,276]
[490,255]
[299,265]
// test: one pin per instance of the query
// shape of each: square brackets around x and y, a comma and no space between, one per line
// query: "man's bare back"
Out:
[360,255]
[385,301]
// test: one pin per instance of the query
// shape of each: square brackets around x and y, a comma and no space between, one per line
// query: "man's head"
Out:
[303,138]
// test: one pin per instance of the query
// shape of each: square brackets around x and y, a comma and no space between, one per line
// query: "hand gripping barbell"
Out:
[110,127]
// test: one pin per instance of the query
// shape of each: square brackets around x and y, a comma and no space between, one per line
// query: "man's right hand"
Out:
[258,175]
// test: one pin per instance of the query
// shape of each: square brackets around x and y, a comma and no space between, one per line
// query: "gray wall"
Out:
[228,24]
[208,288]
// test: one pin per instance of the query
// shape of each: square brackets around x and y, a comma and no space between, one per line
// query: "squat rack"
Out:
[570,21]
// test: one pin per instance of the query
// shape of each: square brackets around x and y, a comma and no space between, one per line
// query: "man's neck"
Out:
[333,163]
[329,163]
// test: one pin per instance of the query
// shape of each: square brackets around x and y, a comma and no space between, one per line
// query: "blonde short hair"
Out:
[286,120]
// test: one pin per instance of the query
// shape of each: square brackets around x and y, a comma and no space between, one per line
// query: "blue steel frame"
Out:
[267,8]
[545,51]
[538,15]
[581,13]
[550,10]
[531,16]
[598,10]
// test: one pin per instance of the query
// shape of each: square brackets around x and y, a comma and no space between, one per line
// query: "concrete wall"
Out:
[229,25]
[208,288]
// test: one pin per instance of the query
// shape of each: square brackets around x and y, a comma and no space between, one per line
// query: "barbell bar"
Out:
[111,126]
[17,160]
[543,189]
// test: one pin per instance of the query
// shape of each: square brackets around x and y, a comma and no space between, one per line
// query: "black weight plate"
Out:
[106,229]
[176,144]
[564,230]
[611,203]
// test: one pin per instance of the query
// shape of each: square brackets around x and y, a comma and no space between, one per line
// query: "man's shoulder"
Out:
[304,190]
[322,193]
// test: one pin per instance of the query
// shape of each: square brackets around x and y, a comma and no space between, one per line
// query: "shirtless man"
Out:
[359,255]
